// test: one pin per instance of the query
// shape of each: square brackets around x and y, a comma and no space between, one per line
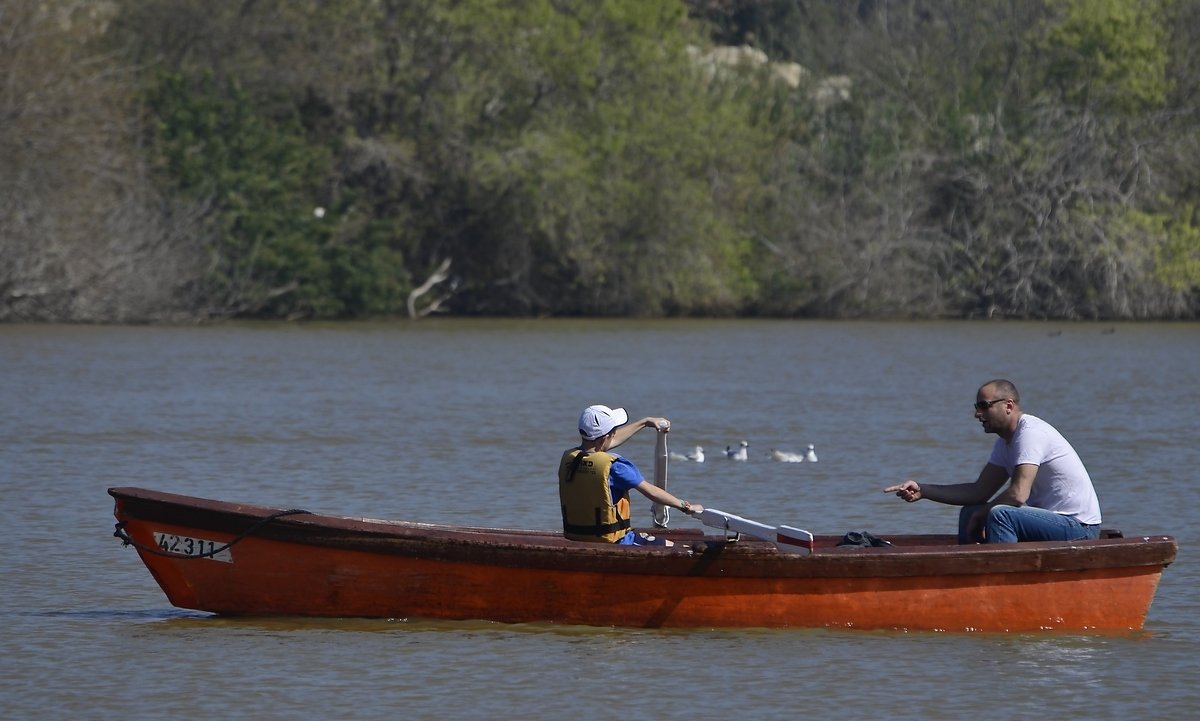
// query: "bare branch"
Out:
[438,276]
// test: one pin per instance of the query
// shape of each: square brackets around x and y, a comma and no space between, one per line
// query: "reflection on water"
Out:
[463,422]
[165,615]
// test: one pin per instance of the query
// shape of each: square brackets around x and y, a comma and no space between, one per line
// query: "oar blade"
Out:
[793,540]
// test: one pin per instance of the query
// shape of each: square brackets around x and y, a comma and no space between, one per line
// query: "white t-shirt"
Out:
[1062,484]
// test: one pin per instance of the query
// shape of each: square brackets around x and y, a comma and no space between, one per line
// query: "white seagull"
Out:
[696,455]
[785,457]
[740,453]
[811,456]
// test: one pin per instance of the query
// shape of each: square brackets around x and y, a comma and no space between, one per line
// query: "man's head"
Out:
[998,407]
[598,421]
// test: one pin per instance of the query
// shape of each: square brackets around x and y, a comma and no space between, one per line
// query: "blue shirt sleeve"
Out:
[623,477]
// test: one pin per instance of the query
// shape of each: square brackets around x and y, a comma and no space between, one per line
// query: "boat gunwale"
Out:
[693,553]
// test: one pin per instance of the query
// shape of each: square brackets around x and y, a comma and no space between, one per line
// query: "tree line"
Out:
[189,160]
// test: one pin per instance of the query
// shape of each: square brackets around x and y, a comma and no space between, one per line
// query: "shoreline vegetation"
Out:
[184,161]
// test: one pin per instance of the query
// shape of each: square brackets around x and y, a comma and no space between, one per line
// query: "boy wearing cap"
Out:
[594,484]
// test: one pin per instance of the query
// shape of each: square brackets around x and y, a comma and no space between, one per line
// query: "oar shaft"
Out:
[785,538]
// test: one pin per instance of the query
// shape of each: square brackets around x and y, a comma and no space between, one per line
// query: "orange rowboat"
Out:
[249,560]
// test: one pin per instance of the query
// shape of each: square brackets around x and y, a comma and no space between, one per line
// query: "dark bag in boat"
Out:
[862,538]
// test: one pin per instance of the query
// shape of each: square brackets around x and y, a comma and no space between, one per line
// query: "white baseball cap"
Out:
[597,421]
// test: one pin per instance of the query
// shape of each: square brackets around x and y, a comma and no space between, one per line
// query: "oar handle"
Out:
[662,514]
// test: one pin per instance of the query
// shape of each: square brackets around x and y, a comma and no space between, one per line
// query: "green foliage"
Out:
[272,255]
[640,194]
[367,273]
[257,174]
[1176,247]
[577,152]
[1111,50]
[573,157]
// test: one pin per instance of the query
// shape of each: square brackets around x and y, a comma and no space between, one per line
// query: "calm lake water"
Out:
[464,421]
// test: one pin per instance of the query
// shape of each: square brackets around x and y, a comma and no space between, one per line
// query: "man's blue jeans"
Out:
[1009,524]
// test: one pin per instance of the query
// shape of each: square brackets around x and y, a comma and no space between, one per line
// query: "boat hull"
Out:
[306,564]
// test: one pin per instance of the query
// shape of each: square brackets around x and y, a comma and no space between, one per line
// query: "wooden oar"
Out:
[662,514]
[785,538]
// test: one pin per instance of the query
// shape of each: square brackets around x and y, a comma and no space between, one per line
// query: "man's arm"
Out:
[990,479]
[1018,491]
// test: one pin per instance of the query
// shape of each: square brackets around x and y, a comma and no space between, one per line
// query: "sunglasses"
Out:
[984,405]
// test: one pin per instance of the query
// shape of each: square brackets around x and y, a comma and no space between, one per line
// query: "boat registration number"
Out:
[197,547]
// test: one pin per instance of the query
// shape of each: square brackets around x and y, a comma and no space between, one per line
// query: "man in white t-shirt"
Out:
[1049,496]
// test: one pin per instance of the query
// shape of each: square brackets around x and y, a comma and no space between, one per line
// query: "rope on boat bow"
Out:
[127,541]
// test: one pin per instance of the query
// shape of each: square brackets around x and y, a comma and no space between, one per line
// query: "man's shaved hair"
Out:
[1003,387]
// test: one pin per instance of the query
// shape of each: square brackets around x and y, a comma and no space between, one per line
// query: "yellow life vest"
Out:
[588,510]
